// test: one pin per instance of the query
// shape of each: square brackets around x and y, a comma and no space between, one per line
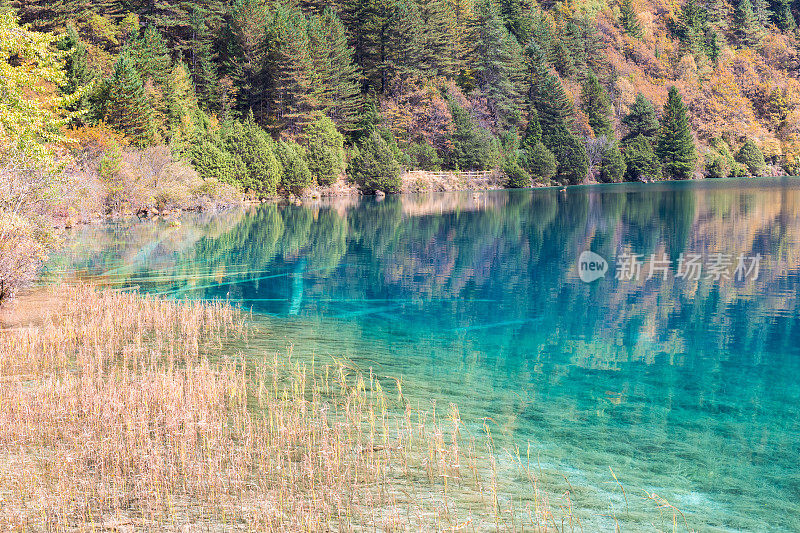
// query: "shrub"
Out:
[539,161]
[640,160]
[296,175]
[424,156]
[751,157]
[374,166]
[612,164]
[324,150]
[516,176]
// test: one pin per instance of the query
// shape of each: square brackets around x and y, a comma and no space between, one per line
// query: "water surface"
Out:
[686,388]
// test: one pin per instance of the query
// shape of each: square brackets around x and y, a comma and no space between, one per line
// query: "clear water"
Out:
[685,388]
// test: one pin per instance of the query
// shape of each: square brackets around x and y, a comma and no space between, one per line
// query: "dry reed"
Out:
[122,412]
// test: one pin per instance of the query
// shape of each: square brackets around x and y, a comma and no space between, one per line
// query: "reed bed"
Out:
[124,412]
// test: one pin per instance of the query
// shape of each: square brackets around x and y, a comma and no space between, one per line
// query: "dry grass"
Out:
[120,412]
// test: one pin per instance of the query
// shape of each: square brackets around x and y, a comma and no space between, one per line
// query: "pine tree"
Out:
[128,108]
[782,15]
[245,57]
[437,35]
[374,166]
[595,103]
[676,148]
[496,59]
[257,151]
[629,19]
[641,119]
[324,150]
[533,131]
[612,164]
[750,156]
[289,69]
[761,11]
[405,43]
[552,104]
[368,24]
[78,76]
[640,160]
[339,79]
[570,154]
[152,56]
[746,26]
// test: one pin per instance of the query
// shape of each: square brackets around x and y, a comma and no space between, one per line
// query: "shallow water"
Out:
[686,388]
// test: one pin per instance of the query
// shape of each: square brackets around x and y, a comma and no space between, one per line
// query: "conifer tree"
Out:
[629,19]
[751,157]
[641,119]
[762,13]
[405,42]
[782,15]
[339,79]
[437,38]
[552,104]
[257,151]
[324,150]
[676,148]
[374,166]
[128,108]
[746,26]
[495,63]
[595,103]
[640,160]
[570,154]
[77,76]
[612,164]
[151,56]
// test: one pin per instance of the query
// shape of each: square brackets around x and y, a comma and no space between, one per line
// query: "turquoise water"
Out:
[686,388]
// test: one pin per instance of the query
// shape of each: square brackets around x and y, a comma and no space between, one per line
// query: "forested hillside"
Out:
[277,96]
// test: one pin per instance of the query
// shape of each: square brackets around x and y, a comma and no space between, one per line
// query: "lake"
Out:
[685,382]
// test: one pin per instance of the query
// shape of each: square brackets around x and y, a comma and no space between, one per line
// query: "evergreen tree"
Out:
[641,119]
[570,153]
[472,147]
[151,56]
[214,162]
[374,166]
[257,151]
[128,108]
[339,79]
[750,156]
[612,164]
[368,24]
[405,42]
[595,104]
[539,161]
[78,77]
[762,13]
[676,148]
[533,132]
[324,150]
[516,176]
[641,162]
[782,15]
[552,104]
[746,26]
[296,175]
[629,19]
[495,64]
[437,37]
